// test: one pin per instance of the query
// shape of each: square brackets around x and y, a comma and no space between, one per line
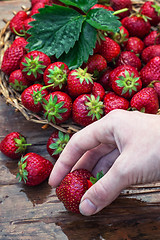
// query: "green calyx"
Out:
[57,76]
[83,75]
[98,176]
[22,174]
[38,96]
[157,8]
[59,143]
[120,37]
[18,86]
[94,107]
[21,144]
[53,109]
[128,83]
[33,66]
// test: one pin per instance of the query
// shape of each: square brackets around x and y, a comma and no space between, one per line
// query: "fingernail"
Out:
[87,207]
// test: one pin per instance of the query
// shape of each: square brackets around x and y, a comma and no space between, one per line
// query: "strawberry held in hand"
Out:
[33,169]
[13,145]
[34,64]
[73,187]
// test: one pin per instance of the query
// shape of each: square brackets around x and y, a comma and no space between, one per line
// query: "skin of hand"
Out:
[124,145]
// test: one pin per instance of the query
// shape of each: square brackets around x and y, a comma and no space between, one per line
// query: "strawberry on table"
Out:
[57,142]
[33,169]
[146,100]
[33,65]
[57,107]
[18,81]
[13,145]
[79,81]
[17,22]
[56,73]
[113,101]
[87,109]
[32,97]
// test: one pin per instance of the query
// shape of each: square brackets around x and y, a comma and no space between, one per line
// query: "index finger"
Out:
[88,138]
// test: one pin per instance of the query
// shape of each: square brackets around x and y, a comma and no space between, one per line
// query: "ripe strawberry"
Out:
[113,101]
[109,49]
[135,45]
[126,83]
[152,11]
[33,169]
[137,25]
[56,143]
[120,4]
[33,2]
[27,26]
[79,81]
[146,100]
[20,41]
[107,7]
[95,64]
[87,109]
[152,38]
[18,81]
[33,65]
[98,90]
[16,23]
[121,37]
[150,52]
[32,97]
[13,145]
[104,79]
[151,71]
[129,58]
[56,73]
[12,58]
[36,7]
[156,86]
[57,107]
[72,188]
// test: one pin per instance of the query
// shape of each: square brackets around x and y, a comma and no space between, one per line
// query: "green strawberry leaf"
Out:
[55,30]
[101,19]
[82,48]
[82,4]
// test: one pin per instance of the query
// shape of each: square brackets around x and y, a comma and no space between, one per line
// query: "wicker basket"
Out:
[14,98]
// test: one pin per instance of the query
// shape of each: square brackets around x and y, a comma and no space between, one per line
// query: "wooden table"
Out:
[36,213]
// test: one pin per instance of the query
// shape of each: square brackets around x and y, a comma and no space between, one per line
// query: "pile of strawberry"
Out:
[123,73]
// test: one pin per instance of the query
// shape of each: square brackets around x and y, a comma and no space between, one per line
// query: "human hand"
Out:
[124,145]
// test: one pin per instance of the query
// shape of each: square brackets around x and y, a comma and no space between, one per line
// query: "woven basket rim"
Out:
[13,98]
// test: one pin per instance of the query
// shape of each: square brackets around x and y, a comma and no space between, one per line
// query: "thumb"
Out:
[103,192]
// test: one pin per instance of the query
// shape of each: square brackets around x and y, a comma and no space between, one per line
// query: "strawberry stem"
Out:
[120,11]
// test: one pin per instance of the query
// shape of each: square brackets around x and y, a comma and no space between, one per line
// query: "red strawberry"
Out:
[16,23]
[156,86]
[12,58]
[120,4]
[87,109]
[113,101]
[104,79]
[98,90]
[95,64]
[135,45]
[107,7]
[72,188]
[152,11]
[152,38]
[34,64]
[36,7]
[137,26]
[20,41]
[129,58]
[79,82]
[27,26]
[33,2]
[56,73]
[151,71]
[32,97]
[56,143]
[127,82]
[33,169]
[13,145]
[121,37]
[57,107]
[150,52]
[18,81]
[146,100]
[109,49]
